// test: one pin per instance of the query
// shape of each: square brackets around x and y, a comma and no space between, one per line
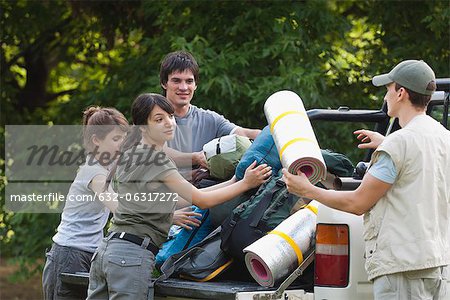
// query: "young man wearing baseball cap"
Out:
[405,195]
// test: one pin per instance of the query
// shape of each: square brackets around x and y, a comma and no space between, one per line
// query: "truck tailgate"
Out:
[184,289]
[226,289]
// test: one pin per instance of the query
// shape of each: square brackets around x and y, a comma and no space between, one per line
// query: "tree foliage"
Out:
[59,56]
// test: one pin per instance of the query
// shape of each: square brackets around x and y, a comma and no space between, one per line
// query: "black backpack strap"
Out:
[218,147]
[226,233]
[261,207]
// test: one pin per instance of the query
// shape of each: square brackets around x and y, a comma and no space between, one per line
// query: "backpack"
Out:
[184,238]
[337,163]
[220,212]
[253,218]
[223,155]
[203,262]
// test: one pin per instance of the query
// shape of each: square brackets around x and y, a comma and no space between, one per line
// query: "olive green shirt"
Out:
[146,204]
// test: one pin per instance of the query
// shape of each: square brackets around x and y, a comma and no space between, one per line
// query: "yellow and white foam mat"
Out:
[293,135]
[274,256]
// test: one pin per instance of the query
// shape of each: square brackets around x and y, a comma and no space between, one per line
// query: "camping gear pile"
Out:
[266,231]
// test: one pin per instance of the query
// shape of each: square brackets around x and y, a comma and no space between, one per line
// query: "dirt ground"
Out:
[30,289]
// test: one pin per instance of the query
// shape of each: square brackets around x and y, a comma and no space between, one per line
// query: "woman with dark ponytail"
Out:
[82,221]
[149,187]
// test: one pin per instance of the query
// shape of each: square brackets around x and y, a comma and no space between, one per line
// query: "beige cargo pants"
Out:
[413,285]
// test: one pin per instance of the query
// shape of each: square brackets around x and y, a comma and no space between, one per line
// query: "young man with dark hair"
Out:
[195,126]
[405,194]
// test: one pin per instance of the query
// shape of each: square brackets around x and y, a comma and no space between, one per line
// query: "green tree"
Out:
[60,56]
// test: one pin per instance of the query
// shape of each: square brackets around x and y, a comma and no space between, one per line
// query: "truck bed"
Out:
[179,288]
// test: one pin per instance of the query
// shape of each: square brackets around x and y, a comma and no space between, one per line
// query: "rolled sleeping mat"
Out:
[293,135]
[276,255]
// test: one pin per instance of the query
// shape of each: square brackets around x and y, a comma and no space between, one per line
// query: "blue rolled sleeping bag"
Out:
[263,150]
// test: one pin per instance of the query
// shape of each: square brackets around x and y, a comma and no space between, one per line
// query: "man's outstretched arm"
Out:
[247,132]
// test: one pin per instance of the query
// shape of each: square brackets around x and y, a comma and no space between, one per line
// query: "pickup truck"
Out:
[338,270]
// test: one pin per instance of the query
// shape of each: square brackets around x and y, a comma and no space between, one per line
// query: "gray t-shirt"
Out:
[197,128]
[146,204]
[84,216]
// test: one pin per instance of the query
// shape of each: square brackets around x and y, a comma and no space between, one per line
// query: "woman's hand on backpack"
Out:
[256,175]
[185,218]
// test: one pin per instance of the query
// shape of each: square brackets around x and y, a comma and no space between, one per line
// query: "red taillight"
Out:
[331,268]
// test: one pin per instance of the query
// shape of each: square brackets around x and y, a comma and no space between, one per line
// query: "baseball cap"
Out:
[414,75]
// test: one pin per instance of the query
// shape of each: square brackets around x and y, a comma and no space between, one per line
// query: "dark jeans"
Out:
[62,259]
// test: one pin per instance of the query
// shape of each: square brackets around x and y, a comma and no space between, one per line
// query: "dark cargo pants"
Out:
[62,259]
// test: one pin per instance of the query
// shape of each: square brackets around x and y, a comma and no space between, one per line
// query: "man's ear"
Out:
[164,86]
[402,93]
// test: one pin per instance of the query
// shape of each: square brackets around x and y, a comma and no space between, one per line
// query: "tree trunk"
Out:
[34,93]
